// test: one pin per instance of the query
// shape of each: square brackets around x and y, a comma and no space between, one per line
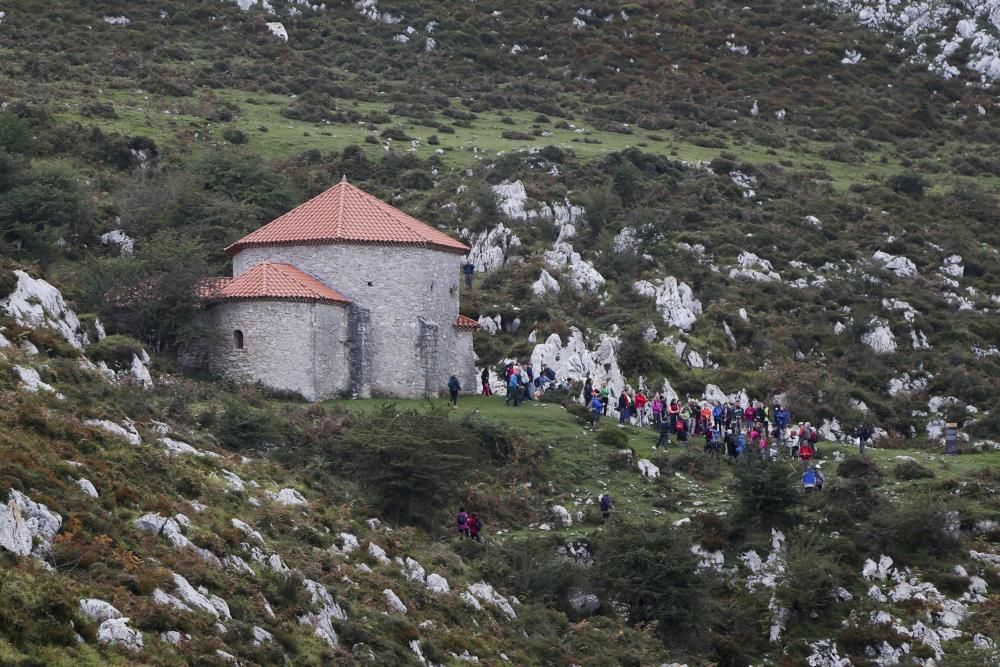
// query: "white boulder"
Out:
[490,249]
[126,432]
[36,303]
[116,631]
[675,301]
[647,468]
[879,337]
[288,497]
[394,602]
[901,266]
[98,610]
[545,284]
[87,487]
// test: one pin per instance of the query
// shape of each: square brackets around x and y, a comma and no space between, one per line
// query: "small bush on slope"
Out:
[765,494]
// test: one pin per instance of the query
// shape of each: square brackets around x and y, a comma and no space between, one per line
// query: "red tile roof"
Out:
[346,214]
[269,281]
[466,323]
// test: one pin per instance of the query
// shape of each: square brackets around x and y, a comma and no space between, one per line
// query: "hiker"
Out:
[605,394]
[463,523]
[706,418]
[606,506]
[640,408]
[864,435]
[713,441]
[475,525]
[528,380]
[657,407]
[485,377]
[663,428]
[805,453]
[454,386]
[673,414]
[623,407]
[741,447]
[596,409]
[514,388]
[684,417]
[468,269]
[810,480]
[731,444]
[588,390]
[682,435]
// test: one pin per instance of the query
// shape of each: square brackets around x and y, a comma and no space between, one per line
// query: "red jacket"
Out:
[640,401]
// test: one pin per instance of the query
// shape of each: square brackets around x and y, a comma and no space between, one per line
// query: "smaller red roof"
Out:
[270,281]
[466,323]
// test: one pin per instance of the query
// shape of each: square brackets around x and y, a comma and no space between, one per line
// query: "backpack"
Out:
[813,436]
[514,381]
[741,443]
[479,523]
[463,519]
[809,479]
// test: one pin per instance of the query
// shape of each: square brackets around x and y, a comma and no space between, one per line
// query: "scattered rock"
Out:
[116,631]
[87,487]
[98,610]
[394,602]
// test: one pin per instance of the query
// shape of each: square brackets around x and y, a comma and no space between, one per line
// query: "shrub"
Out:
[697,465]
[244,427]
[514,135]
[234,136]
[648,570]
[765,493]
[116,351]
[856,467]
[908,184]
[396,134]
[907,470]
[612,437]
[812,577]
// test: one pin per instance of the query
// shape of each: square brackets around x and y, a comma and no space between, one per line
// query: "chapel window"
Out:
[238,339]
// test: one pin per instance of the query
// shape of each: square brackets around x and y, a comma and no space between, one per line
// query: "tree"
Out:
[649,569]
[151,296]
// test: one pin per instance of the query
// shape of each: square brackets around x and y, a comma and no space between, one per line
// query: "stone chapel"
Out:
[343,296]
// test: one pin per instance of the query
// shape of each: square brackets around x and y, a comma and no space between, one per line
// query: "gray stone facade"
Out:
[407,292]
[287,345]
[396,338]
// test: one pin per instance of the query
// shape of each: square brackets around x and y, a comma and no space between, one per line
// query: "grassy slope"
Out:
[170,121]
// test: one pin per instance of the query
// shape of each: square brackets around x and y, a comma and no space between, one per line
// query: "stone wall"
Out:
[398,285]
[286,345]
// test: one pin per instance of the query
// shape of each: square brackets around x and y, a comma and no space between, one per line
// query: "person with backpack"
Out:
[741,447]
[864,435]
[454,386]
[606,506]
[623,407]
[673,414]
[605,395]
[485,378]
[463,523]
[682,434]
[588,391]
[475,525]
[810,480]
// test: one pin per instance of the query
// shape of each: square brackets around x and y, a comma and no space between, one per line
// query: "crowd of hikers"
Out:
[725,429]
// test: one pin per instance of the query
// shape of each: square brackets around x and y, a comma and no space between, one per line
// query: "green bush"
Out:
[612,437]
[765,493]
[242,427]
[908,470]
[856,467]
[649,570]
[116,351]
[697,465]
